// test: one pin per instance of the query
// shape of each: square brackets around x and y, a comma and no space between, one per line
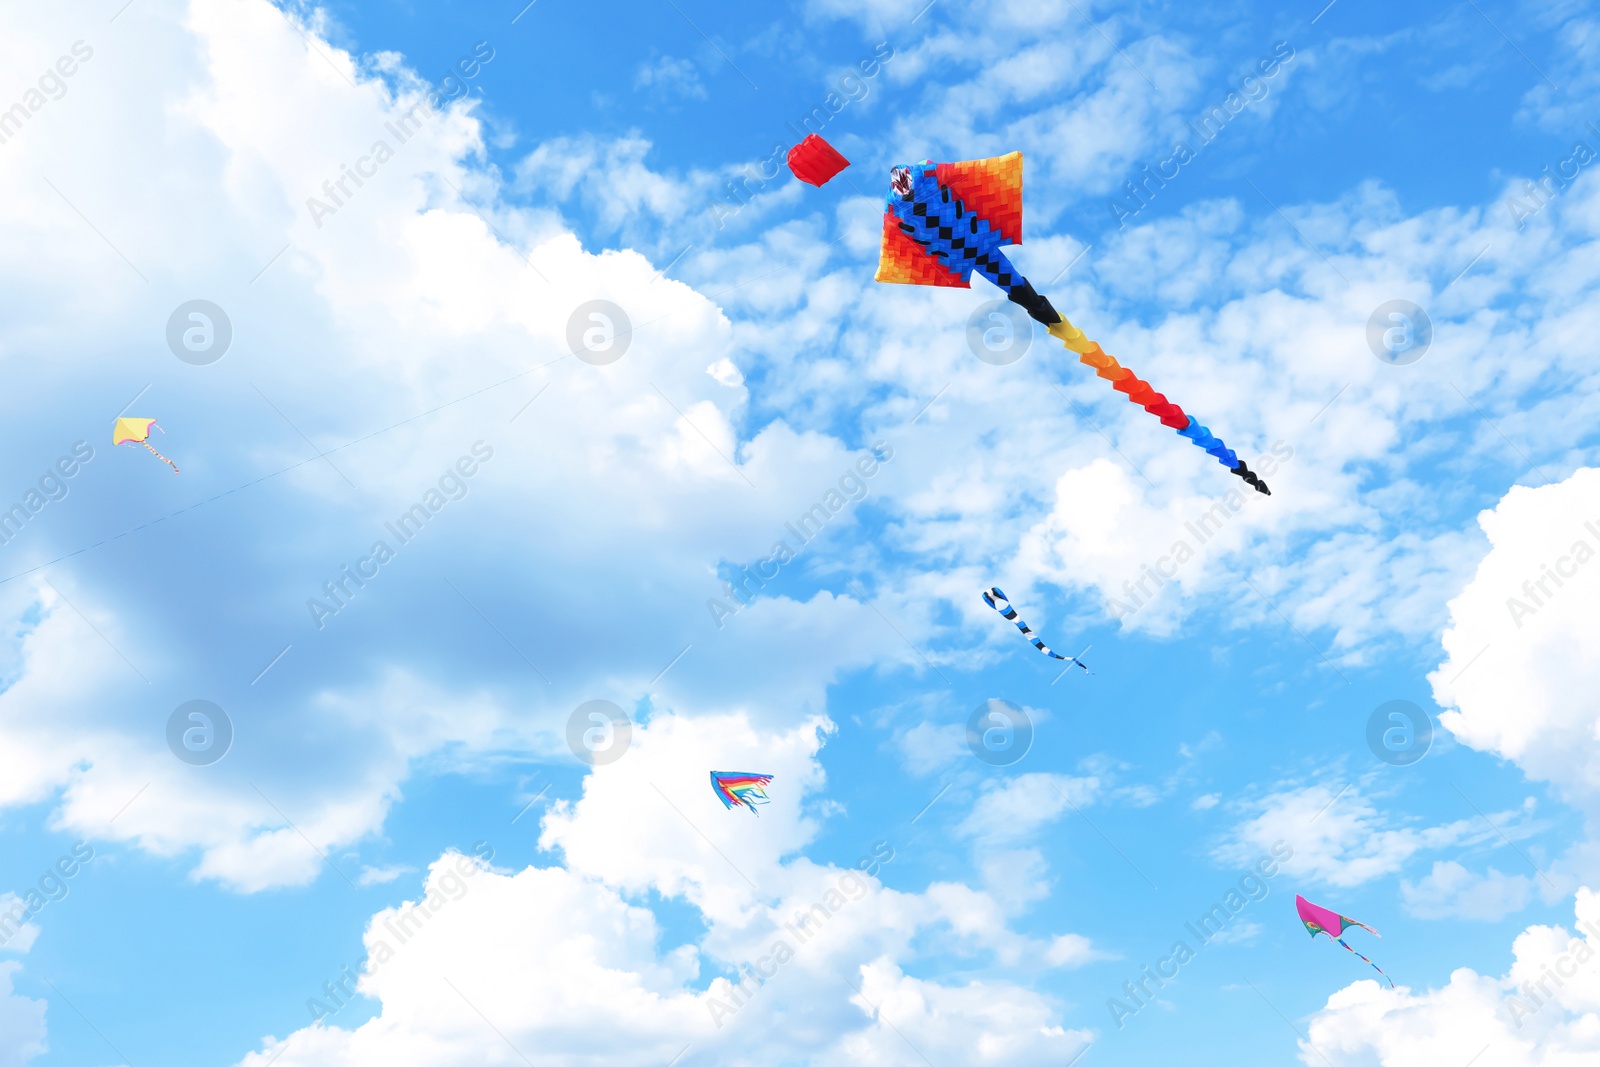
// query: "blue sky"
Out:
[400,347]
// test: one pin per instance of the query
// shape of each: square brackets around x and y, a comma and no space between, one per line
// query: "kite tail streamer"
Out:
[997,600]
[1140,392]
[162,458]
[1374,966]
[1009,613]
[999,270]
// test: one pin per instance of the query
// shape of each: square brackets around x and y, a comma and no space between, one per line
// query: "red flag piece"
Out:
[814,160]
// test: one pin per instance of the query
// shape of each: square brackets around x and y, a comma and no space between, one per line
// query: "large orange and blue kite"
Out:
[1320,920]
[943,221]
[741,789]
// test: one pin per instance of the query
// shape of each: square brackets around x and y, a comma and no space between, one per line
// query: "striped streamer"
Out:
[1374,966]
[997,600]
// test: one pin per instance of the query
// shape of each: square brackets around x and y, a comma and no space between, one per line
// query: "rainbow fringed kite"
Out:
[741,789]
[1320,920]
[945,220]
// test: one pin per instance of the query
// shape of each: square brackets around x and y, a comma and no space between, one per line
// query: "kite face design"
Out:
[137,431]
[741,789]
[1319,920]
[943,221]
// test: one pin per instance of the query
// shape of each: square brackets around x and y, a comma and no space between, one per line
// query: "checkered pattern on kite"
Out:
[901,260]
[937,221]
[992,188]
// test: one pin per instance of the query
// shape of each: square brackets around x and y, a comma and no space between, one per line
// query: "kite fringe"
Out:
[741,789]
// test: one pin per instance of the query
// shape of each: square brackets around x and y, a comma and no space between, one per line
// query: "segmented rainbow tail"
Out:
[1374,966]
[1140,392]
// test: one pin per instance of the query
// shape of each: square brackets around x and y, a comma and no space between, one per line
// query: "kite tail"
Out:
[162,458]
[1140,392]
[999,270]
[1374,966]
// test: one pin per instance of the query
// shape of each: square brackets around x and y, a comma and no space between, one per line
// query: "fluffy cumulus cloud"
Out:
[21,1020]
[1523,651]
[1543,1012]
[811,957]
[400,359]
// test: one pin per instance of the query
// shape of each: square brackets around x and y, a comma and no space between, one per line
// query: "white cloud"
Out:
[1523,657]
[1450,891]
[609,988]
[1342,838]
[926,747]
[402,300]
[21,1020]
[1019,807]
[467,952]
[670,75]
[15,935]
[981,1023]
[380,875]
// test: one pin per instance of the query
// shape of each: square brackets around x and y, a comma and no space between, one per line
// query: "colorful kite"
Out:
[741,789]
[137,431]
[997,600]
[1320,920]
[946,220]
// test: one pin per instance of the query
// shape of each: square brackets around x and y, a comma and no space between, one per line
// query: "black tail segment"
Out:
[1038,308]
[1252,477]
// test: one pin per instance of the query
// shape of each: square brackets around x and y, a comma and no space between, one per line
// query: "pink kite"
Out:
[1320,920]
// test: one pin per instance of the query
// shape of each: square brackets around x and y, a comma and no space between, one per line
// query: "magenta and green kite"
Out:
[741,789]
[943,221]
[1320,920]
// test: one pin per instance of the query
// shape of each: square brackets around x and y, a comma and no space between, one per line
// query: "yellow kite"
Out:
[129,431]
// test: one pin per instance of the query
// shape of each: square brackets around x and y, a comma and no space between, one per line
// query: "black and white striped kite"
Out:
[997,600]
